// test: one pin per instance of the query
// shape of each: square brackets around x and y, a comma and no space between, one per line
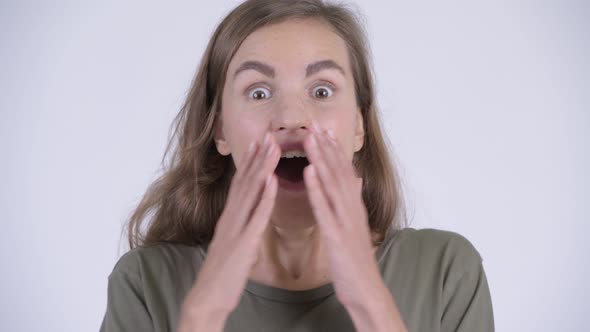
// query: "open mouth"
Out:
[291,168]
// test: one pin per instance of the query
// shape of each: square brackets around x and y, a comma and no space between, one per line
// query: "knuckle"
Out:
[333,237]
[246,243]
[259,177]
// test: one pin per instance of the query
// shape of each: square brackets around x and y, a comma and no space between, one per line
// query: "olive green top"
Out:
[435,277]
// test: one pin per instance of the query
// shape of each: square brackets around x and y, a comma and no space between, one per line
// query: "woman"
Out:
[280,209]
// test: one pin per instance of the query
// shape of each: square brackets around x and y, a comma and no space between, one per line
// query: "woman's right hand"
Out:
[234,247]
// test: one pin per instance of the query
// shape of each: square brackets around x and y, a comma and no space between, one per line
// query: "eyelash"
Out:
[321,84]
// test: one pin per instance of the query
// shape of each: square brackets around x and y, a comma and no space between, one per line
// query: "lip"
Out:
[292,146]
[294,187]
[286,186]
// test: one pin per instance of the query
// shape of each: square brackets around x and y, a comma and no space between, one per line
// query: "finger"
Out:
[338,150]
[318,200]
[328,176]
[261,215]
[258,156]
[265,159]
[244,164]
[342,170]
[324,153]
[350,193]
[247,159]
[269,147]
[253,181]
[335,156]
[313,152]
[339,153]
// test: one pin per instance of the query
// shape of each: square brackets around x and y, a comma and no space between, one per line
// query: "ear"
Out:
[359,132]
[220,140]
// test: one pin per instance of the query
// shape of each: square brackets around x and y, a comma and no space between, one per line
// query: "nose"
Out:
[291,115]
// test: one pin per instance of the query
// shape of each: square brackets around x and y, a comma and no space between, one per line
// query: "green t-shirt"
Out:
[435,277]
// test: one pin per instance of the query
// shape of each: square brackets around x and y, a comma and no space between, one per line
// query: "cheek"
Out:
[240,130]
[244,120]
[342,122]
[247,125]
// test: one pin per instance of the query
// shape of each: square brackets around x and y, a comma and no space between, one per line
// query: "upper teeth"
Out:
[293,154]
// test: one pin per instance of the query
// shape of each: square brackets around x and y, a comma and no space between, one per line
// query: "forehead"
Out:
[292,44]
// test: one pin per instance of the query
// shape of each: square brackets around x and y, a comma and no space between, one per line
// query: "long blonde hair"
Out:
[185,202]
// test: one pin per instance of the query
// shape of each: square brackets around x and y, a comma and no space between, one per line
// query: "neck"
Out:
[291,258]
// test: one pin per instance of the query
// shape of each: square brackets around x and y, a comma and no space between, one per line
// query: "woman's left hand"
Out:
[335,194]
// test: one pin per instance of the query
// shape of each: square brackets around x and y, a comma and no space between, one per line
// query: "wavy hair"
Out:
[184,203]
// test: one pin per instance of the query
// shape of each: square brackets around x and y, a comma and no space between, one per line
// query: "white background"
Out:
[486,104]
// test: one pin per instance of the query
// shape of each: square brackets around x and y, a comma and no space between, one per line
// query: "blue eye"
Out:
[322,92]
[259,93]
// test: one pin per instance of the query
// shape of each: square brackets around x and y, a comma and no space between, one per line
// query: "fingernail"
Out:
[250,147]
[331,134]
[266,138]
[315,126]
[312,141]
[270,150]
[268,178]
[311,170]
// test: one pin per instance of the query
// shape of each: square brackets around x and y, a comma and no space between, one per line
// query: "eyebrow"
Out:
[316,67]
[258,66]
[267,70]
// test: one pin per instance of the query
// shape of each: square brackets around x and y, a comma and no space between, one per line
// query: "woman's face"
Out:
[283,77]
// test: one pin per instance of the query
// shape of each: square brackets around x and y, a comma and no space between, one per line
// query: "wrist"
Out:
[201,318]
[200,312]
[376,312]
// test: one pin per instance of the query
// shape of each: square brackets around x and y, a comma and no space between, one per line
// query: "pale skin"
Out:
[291,82]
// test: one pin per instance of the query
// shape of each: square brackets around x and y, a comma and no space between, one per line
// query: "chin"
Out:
[293,224]
[292,212]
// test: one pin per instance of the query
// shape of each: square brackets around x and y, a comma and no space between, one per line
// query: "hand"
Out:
[233,249]
[335,194]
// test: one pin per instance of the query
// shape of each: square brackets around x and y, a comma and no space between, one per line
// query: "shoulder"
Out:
[157,259]
[147,285]
[438,280]
[436,240]
[435,248]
